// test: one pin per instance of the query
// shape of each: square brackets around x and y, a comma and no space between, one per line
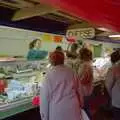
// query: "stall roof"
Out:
[56,16]
[36,23]
[31,14]
[103,13]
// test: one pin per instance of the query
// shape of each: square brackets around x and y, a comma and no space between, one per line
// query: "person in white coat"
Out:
[58,93]
[85,72]
[113,84]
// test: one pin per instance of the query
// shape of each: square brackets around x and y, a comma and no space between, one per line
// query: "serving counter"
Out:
[19,83]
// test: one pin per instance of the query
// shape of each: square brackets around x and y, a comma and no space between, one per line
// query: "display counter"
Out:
[19,83]
[15,108]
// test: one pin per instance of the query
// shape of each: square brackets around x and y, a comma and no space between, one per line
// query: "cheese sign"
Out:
[81,33]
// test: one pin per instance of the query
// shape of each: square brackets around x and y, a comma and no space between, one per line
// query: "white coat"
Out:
[113,84]
[58,96]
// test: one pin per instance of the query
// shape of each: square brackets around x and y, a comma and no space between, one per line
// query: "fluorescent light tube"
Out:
[114,36]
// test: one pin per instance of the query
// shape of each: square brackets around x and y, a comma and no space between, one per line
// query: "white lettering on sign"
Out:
[81,33]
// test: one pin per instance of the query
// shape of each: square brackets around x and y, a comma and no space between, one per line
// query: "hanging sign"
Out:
[58,39]
[81,33]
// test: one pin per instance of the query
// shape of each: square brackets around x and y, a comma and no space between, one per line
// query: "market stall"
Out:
[20,78]
[20,82]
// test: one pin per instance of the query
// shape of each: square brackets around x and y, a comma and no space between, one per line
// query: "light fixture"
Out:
[114,36]
[103,29]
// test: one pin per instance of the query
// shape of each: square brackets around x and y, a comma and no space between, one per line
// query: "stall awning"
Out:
[105,13]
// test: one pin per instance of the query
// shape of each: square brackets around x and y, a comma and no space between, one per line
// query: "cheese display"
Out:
[101,66]
[20,82]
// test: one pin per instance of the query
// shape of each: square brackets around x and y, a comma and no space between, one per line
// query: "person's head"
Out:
[85,54]
[59,48]
[115,57]
[56,58]
[35,44]
[74,47]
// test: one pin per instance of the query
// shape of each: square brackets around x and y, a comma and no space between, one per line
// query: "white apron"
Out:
[58,98]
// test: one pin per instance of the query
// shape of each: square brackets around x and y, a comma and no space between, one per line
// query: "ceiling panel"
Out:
[35,23]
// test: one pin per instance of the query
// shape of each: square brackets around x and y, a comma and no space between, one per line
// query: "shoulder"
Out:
[111,71]
[32,51]
[30,54]
[66,68]
[116,69]
[43,51]
[87,65]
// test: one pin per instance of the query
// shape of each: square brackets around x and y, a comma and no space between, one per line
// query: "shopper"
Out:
[59,48]
[59,100]
[34,52]
[72,56]
[113,83]
[73,51]
[85,72]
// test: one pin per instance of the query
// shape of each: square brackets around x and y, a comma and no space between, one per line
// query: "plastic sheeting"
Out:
[105,13]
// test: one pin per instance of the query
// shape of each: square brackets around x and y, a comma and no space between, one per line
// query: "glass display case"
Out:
[19,83]
[101,66]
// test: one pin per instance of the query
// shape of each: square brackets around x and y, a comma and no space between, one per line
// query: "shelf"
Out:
[16,62]
[29,74]
[31,68]
[14,108]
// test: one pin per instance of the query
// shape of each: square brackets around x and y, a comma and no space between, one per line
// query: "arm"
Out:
[42,54]
[79,92]
[32,55]
[29,55]
[44,95]
[86,74]
[109,81]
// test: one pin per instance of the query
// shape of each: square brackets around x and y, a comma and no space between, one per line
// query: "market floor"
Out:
[34,115]
[28,115]
[98,110]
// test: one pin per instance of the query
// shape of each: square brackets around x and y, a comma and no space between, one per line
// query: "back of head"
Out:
[115,57]
[58,48]
[85,54]
[74,47]
[57,58]
[33,43]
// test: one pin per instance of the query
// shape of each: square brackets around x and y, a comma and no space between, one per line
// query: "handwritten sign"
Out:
[58,39]
[81,33]
[47,37]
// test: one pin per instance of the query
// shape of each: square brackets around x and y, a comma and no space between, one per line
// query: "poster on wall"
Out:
[46,37]
[97,50]
[58,39]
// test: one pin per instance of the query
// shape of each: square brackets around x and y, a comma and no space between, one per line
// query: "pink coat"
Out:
[58,95]
[85,73]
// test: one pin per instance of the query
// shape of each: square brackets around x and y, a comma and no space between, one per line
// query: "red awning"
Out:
[105,13]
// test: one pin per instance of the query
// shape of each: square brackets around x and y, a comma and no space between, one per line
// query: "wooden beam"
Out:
[67,16]
[25,4]
[35,1]
[10,4]
[37,10]
[81,25]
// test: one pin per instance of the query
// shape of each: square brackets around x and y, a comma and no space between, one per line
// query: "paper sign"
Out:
[47,37]
[58,39]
